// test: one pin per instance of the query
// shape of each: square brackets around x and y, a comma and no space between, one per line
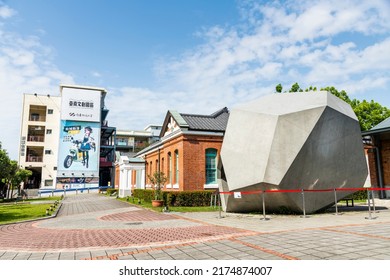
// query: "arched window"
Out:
[177,167]
[150,170]
[211,166]
[170,168]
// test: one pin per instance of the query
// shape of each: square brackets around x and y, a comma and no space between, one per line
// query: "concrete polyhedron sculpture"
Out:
[291,141]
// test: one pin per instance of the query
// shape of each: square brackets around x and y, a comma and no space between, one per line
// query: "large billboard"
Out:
[80,105]
[79,143]
[78,149]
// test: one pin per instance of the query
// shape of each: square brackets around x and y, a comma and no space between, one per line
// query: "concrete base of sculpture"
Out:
[289,141]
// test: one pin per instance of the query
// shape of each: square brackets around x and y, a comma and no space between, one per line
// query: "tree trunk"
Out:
[12,191]
[7,190]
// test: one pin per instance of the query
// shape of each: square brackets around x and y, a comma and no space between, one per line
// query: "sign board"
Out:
[237,194]
[79,141]
[80,105]
[78,148]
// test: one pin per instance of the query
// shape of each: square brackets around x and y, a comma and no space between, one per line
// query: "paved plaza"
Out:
[92,226]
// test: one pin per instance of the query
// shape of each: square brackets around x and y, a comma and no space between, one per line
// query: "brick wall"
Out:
[385,156]
[195,159]
[116,184]
[385,162]
[191,150]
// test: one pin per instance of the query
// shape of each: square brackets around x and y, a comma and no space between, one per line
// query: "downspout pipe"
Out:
[158,168]
[378,162]
[379,171]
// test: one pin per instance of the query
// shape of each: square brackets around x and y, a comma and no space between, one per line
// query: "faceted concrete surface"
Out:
[197,236]
[290,141]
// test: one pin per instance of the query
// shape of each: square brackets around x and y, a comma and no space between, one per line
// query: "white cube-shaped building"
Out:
[291,141]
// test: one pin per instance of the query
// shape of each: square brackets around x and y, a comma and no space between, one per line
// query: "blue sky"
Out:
[191,56]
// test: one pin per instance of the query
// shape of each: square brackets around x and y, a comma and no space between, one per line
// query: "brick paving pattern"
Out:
[140,215]
[91,226]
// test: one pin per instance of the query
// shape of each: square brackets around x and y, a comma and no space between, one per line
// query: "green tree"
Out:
[5,169]
[158,180]
[20,176]
[11,176]
[369,114]
[4,165]
[311,88]
[340,94]
[295,88]
[13,168]
[279,88]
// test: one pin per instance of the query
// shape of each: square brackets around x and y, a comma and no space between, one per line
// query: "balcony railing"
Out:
[31,158]
[122,143]
[36,118]
[36,138]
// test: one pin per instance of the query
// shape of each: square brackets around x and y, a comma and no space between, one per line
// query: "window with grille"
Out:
[211,166]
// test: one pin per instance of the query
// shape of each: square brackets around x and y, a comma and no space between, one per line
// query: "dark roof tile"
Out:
[214,122]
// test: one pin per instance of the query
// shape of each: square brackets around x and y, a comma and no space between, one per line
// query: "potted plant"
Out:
[157,180]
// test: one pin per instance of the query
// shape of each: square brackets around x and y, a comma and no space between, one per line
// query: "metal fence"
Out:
[65,192]
[371,201]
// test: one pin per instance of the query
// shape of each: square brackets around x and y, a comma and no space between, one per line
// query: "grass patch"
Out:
[193,209]
[50,198]
[148,205]
[21,212]
[14,200]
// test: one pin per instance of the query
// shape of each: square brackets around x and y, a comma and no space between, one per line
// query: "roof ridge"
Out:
[213,115]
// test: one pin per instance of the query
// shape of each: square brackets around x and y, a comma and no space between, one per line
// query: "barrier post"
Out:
[369,205]
[220,206]
[52,193]
[303,203]
[264,215]
[373,200]
[335,200]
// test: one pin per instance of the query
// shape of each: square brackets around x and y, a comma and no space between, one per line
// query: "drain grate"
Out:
[134,224]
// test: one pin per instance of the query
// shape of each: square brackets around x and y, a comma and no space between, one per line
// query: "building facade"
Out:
[39,140]
[377,146]
[188,150]
[130,142]
[65,140]
[130,174]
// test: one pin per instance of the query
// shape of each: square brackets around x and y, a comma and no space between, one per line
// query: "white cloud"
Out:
[26,66]
[134,108]
[96,74]
[6,12]
[310,42]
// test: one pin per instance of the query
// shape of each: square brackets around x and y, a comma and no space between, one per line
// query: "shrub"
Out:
[188,198]
[359,195]
[110,191]
[171,198]
[145,195]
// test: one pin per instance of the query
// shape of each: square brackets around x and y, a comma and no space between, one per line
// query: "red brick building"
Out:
[188,150]
[377,146]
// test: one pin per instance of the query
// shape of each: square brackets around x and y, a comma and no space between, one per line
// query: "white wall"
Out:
[51,140]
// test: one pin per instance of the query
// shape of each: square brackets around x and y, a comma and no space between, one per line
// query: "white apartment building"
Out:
[39,133]
[66,142]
